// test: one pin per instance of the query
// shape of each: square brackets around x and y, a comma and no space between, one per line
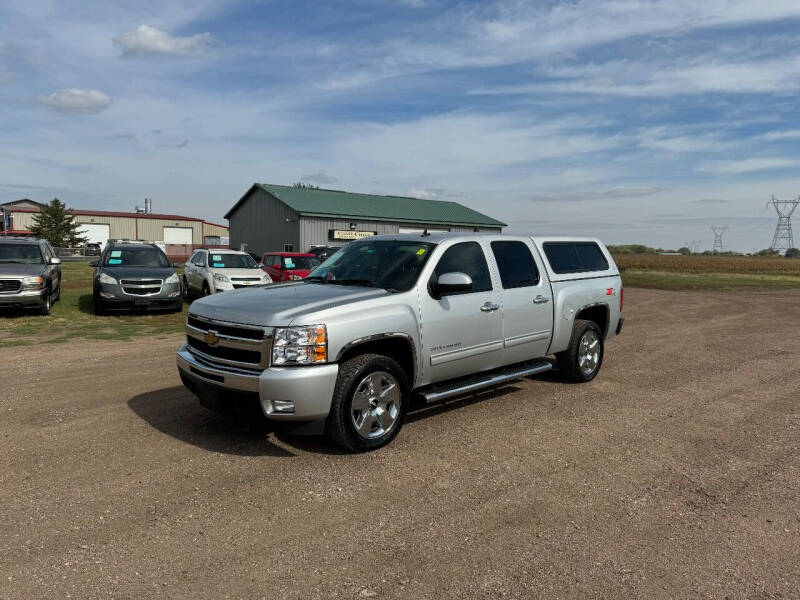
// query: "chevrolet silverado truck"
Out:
[399,318]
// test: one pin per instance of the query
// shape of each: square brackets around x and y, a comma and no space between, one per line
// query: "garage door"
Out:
[95,233]
[177,235]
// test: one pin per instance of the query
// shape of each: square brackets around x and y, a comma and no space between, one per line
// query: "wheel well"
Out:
[598,314]
[397,348]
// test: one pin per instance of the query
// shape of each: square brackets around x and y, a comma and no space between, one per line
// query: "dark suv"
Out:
[30,274]
[135,276]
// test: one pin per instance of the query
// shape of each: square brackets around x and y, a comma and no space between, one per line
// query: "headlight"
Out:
[266,279]
[300,345]
[32,283]
[107,279]
[220,277]
[295,277]
[172,279]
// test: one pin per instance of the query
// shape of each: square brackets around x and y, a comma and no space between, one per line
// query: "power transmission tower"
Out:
[783,238]
[718,233]
[693,245]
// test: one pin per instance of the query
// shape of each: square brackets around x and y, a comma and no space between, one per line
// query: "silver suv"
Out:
[209,271]
[30,274]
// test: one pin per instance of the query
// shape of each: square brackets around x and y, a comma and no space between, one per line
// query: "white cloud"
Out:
[791,134]
[318,177]
[74,100]
[623,191]
[749,165]
[422,194]
[145,40]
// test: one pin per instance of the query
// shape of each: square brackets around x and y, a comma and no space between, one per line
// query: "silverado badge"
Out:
[211,338]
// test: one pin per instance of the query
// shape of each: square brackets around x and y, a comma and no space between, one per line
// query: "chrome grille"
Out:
[240,282]
[223,344]
[10,285]
[141,287]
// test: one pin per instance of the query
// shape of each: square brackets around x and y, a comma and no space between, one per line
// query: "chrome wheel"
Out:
[376,405]
[589,352]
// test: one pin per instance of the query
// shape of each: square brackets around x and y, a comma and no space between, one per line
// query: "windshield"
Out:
[232,261]
[392,265]
[26,254]
[301,263]
[136,257]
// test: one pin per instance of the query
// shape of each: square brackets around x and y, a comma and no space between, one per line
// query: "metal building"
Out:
[293,219]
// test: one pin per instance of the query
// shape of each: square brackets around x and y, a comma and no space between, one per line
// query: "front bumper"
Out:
[113,297]
[309,388]
[23,299]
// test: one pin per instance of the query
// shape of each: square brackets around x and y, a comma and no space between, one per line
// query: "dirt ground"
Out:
[675,474]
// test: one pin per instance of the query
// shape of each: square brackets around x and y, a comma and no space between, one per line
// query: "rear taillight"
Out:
[621,296]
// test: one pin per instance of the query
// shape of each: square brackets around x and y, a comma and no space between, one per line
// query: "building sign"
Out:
[346,234]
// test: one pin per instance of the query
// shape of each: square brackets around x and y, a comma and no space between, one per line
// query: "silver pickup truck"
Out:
[396,318]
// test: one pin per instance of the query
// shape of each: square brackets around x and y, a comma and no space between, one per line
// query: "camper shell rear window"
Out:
[575,257]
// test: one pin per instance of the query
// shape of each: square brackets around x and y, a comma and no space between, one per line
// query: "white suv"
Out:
[216,270]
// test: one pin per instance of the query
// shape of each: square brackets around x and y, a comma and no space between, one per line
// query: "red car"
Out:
[288,266]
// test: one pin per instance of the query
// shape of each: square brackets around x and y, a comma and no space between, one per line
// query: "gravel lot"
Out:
[675,474]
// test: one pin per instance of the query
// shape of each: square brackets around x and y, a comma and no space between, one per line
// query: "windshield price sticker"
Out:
[216,257]
[289,263]
[114,261]
[219,265]
[116,253]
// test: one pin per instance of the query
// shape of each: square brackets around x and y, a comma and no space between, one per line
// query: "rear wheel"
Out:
[206,289]
[369,403]
[582,360]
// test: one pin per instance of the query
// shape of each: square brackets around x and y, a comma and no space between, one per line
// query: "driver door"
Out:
[461,333]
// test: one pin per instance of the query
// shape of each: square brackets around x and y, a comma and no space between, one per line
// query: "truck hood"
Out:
[280,303]
[18,270]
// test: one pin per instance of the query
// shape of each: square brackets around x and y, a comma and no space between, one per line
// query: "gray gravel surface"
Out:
[676,473]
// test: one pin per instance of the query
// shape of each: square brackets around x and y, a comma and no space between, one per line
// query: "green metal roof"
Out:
[335,203]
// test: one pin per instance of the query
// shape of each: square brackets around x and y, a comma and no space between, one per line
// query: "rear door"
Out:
[527,301]
[461,333]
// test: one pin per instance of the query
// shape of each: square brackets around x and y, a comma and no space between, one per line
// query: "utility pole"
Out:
[718,233]
[783,238]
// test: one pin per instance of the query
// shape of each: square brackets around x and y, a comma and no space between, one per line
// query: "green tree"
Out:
[767,252]
[56,224]
[792,253]
[684,250]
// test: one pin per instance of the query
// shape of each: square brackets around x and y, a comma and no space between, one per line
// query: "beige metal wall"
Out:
[314,230]
[133,228]
[211,229]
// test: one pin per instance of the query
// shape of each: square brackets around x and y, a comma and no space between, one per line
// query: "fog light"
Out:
[106,295]
[283,406]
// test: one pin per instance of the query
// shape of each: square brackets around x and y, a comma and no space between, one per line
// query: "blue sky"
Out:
[635,120]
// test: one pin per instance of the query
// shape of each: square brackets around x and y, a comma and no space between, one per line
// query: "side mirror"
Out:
[451,283]
[55,260]
[94,263]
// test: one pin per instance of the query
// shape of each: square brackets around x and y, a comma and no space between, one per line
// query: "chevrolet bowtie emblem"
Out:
[211,338]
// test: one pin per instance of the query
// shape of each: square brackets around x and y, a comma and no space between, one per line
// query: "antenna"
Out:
[718,233]
[783,238]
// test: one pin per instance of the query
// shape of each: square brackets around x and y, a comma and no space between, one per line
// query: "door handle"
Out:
[489,307]
[541,299]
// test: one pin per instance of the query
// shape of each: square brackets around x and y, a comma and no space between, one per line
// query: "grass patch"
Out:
[72,317]
[673,280]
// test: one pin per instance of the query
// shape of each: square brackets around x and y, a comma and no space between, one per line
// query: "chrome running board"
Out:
[478,383]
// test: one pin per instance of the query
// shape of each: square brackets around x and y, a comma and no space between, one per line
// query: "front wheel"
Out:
[48,303]
[369,403]
[582,359]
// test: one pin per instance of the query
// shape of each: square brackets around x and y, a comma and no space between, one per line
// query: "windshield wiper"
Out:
[316,278]
[364,282]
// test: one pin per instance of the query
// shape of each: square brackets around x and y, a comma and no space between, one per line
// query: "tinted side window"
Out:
[200,259]
[575,257]
[515,261]
[466,257]
[591,257]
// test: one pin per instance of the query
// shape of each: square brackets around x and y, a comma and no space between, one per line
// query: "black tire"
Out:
[186,292]
[44,310]
[58,293]
[353,374]
[206,289]
[579,364]
[97,305]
